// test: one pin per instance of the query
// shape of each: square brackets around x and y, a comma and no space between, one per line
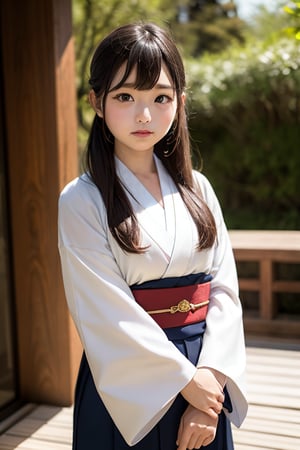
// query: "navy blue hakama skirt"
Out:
[95,430]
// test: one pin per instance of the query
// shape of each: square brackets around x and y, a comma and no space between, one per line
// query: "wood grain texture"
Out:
[267,248]
[40,112]
[272,423]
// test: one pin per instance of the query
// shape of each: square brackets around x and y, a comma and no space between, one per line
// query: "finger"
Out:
[221,397]
[193,442]
[184,441]
[182,445]
[200,441]
[218,409]
[206,441]
[190,444]
[209,439]
[179,435]
[212,413]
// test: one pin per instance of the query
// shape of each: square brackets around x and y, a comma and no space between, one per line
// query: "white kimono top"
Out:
[137,371]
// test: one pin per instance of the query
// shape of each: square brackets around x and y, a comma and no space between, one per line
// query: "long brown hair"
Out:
[144,47]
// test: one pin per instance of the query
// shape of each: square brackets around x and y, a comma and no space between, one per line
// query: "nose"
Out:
[143,115]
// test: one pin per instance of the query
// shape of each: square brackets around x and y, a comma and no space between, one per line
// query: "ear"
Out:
[183,98]
[95,103]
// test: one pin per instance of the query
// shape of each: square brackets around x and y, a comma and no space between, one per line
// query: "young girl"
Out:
[148,268]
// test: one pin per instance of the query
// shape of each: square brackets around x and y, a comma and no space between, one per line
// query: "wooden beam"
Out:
[267,247]
[40,115]
[266,303]
[287,327]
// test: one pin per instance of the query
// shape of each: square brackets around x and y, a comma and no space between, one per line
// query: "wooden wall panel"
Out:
[40,112]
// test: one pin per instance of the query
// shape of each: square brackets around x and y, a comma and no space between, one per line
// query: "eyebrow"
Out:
[156,86]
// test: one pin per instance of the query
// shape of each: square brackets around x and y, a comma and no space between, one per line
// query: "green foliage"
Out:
[268,25]
[294,12]
[245,117]
[210,26]
[244,103]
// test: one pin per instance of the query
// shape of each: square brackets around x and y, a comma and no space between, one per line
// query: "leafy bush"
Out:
[294,11]
[245,117]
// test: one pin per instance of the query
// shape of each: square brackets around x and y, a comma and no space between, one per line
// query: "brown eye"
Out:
[163,99]
[124,97]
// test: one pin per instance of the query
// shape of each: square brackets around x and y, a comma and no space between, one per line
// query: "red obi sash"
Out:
[175,306]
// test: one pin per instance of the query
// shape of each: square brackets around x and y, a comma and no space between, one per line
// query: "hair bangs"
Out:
[145,58]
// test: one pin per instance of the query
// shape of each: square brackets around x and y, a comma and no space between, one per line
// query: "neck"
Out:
[140,163]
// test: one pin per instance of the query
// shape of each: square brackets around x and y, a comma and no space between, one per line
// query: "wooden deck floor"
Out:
[273,422]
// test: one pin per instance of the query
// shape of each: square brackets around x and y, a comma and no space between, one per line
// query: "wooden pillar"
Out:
[266,289]
[40,114]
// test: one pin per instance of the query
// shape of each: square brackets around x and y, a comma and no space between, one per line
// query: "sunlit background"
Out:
[246,9]
[242,62]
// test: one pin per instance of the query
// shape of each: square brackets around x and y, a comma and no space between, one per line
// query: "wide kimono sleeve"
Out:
[136,370]
[223,345]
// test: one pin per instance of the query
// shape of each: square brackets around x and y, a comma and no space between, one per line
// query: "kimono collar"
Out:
[160,224]
[158,221]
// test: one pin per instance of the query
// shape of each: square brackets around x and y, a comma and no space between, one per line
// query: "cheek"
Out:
[114,117]
[170,116]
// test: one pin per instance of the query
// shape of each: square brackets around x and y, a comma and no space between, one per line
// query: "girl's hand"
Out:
[196,429]
[205,393]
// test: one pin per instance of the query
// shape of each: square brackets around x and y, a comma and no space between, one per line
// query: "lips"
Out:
[142,133]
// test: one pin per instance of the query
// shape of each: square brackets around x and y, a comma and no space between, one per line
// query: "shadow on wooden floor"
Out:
[273,421]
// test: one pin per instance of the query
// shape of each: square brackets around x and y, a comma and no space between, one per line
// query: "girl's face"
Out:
[138,119]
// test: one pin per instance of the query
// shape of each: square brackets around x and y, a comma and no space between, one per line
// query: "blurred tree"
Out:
[293,8]
[207,26]
[245,117]
[269,23]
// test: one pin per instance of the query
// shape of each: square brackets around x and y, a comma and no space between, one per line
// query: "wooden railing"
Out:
[267,248]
